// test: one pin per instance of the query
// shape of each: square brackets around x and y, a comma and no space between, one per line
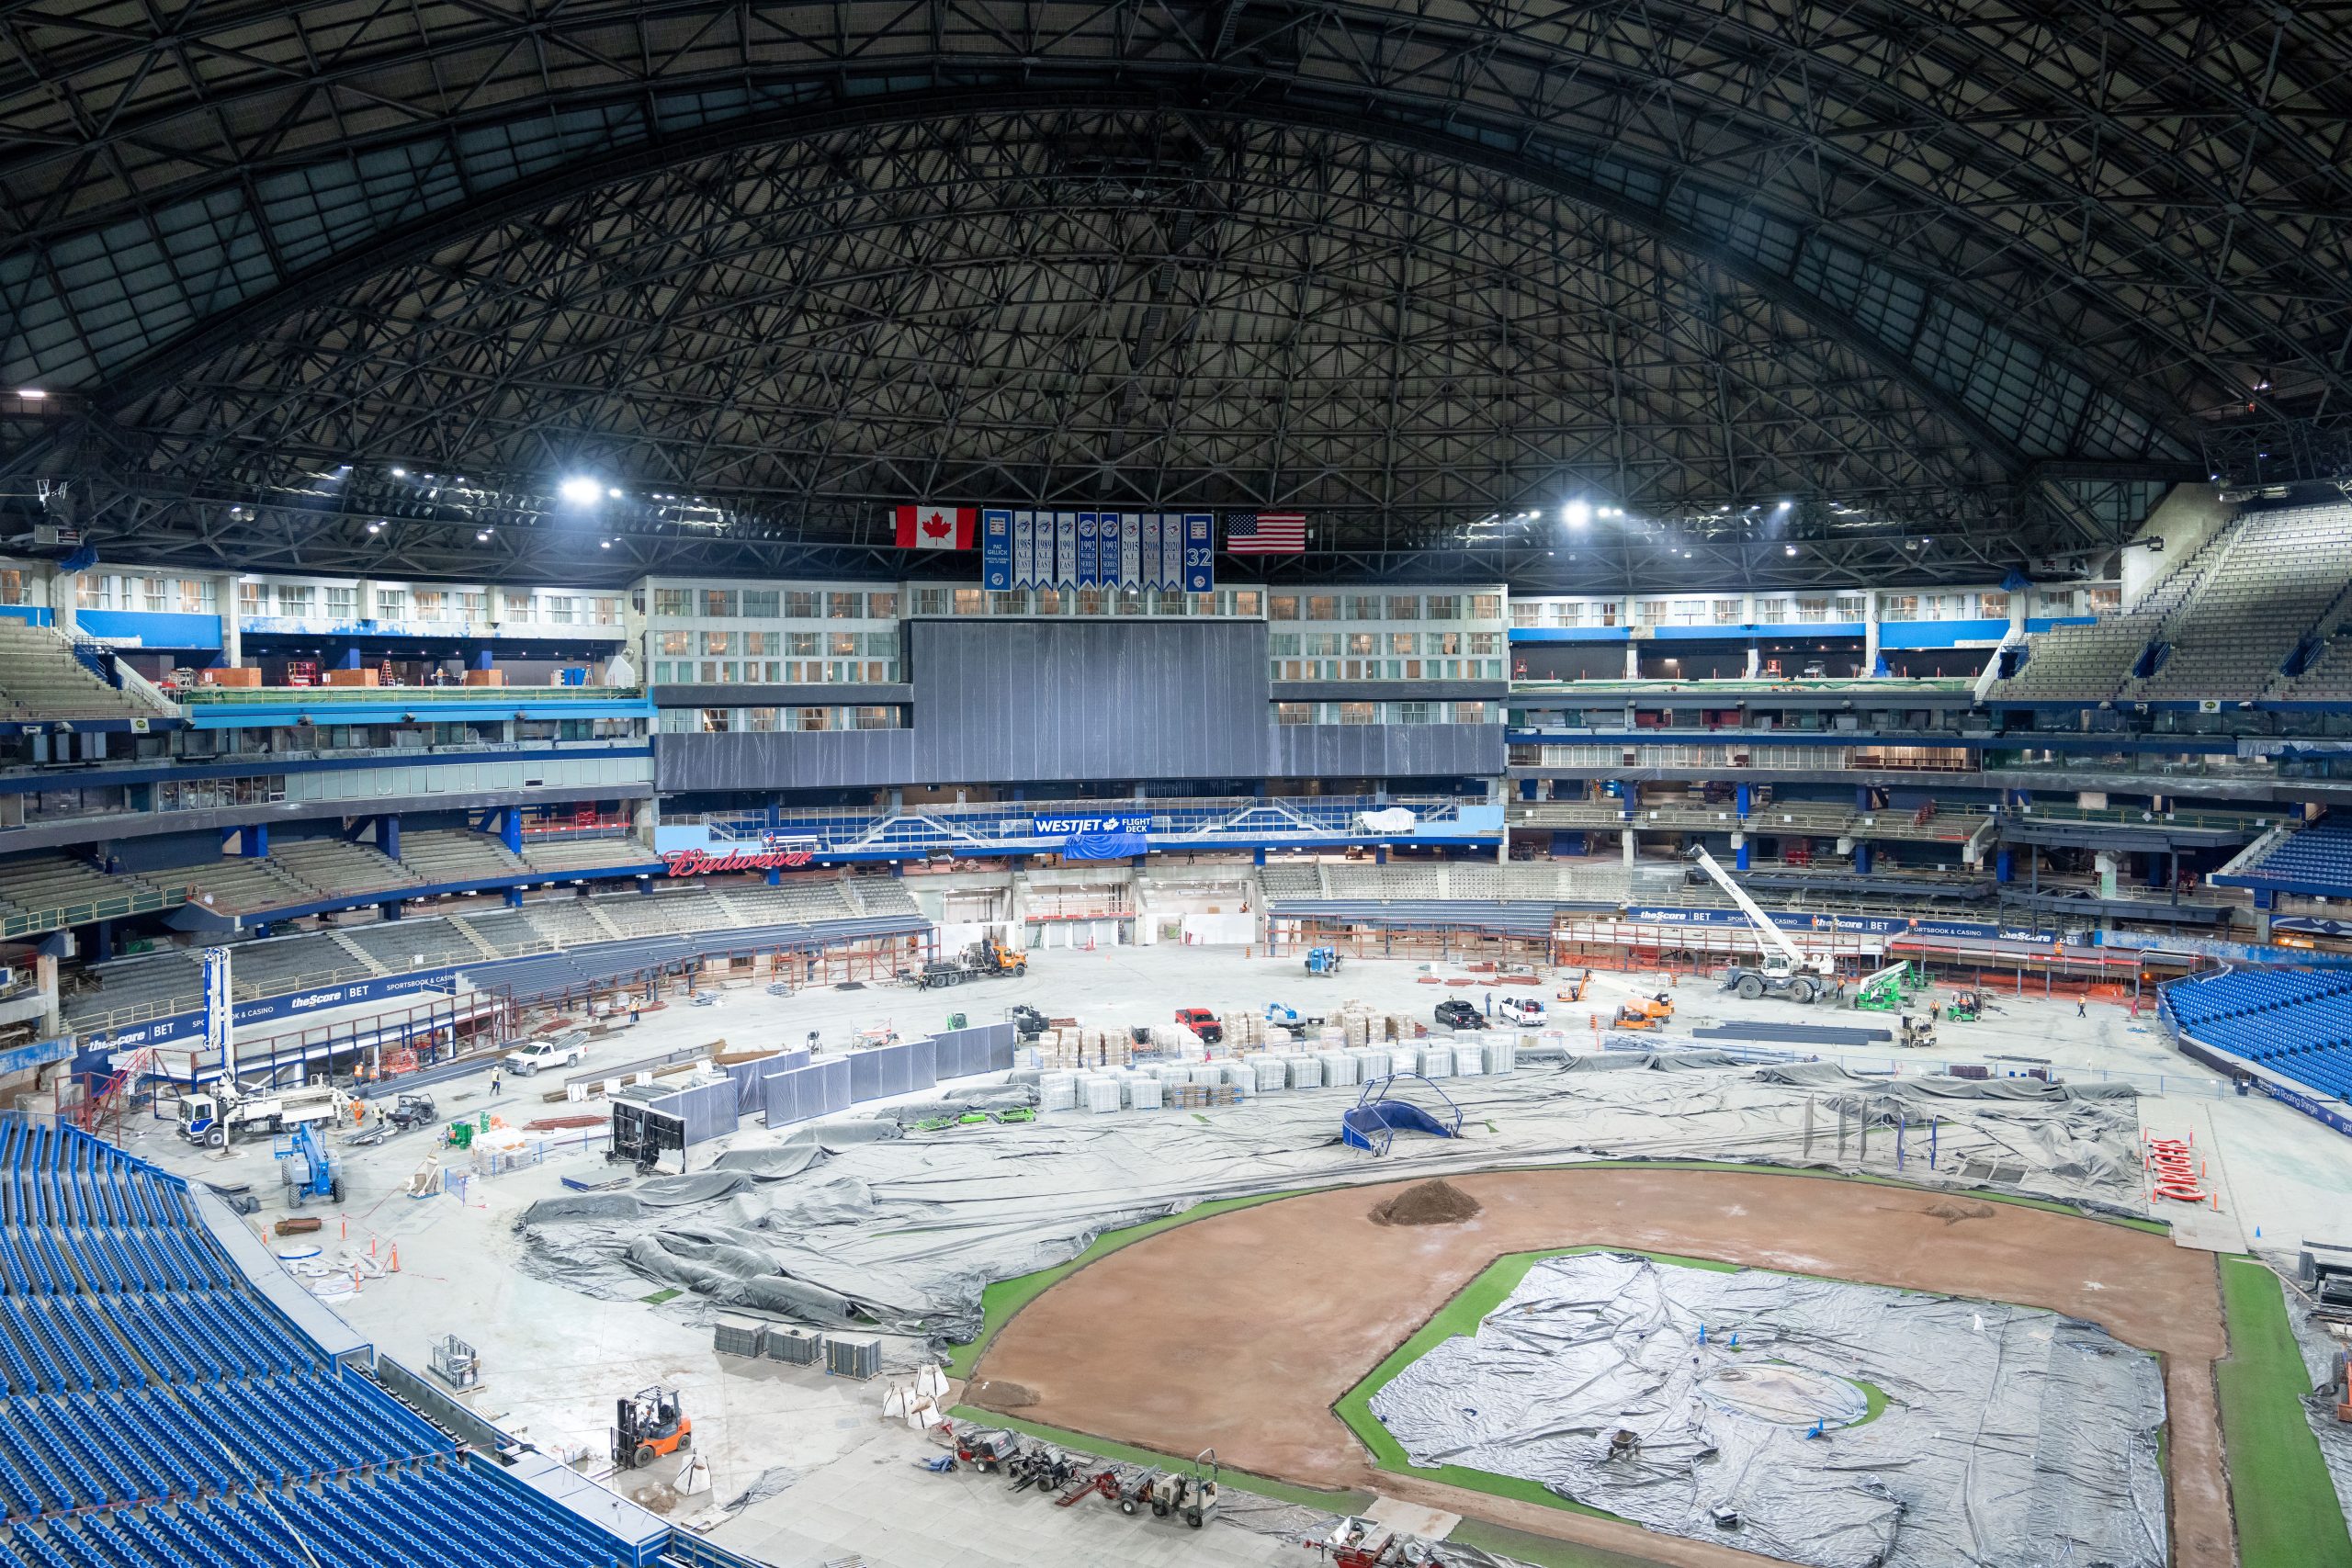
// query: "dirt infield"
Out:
[1239,1331]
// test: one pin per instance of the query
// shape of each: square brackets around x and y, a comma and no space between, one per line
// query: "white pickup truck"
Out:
[1524,1011]
[564,1050]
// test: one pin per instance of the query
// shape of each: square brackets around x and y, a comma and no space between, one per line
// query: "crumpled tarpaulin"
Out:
[2009,1436]
[908,1230]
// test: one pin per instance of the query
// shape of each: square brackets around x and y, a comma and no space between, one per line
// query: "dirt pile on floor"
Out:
[1430,1204]
[1952,1212]
[988,1394]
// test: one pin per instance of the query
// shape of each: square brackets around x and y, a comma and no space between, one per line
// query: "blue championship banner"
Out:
[1200,552]
[1086,567]
[996,551]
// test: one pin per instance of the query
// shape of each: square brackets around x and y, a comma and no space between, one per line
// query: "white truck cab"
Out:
[564,1050]
[1520,1011]
[217,1119]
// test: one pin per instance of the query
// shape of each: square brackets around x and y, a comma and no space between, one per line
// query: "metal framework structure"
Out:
[1964,282]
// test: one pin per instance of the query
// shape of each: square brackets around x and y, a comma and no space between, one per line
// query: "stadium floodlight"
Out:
[399,473]
[579,490]
[1791,548]
[1783,507]
[614,491]
[1576,514]
[31,394]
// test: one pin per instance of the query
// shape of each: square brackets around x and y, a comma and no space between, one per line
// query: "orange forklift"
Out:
[650,1425]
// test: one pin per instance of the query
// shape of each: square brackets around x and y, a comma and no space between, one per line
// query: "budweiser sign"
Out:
[695,863]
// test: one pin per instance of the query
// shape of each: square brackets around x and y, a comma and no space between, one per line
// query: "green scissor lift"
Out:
[1891,989]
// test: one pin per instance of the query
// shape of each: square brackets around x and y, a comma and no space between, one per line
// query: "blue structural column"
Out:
[775,877]
[513,898]
[1380,854]
[347,657]
[391,910]
[1259,852]
[1861,860]
[1739,851]
[102,942]
[1862,797]
[511,829]
[388,835]
[2003,870]
[1744,800]
[253,843]
[482,659]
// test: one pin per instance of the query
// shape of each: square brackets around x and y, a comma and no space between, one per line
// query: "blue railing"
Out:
[1010,825]
[98,659]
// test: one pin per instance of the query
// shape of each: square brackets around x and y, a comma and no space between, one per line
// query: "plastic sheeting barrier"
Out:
[2009,1435]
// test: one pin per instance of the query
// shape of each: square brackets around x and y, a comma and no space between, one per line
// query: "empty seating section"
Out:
[402,945]
[1292,880]
[40,677]
[584,854]
[564,923]
[793,902]
[2318,858]
[267,968]
[153,986]
[880,896]
[2227,620]
[340,870]
[438,857]
[37,884]
[2273,585]
[2297,1022]
[241,884]
[160,1414]
[669,914]
[508,931]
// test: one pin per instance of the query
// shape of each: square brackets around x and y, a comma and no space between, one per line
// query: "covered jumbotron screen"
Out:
[1056,699]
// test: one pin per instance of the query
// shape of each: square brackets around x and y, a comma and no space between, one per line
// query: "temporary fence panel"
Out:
[983,1048]
[820,1088]
[889,1070]
[747,1077]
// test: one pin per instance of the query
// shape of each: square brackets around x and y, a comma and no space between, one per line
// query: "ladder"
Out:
[114,1096]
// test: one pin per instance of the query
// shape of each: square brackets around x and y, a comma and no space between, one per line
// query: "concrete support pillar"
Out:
[2107,863]
[645,819]
[1755,662]
[64,599]
[233,630]
[366,597]
[2265,900]
[1633,661]
[1626,834]
[1870,631]
[45,978]
[102,941]
[2017,611]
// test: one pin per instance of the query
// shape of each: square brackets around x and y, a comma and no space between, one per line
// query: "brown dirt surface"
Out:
[1951,1213]
[1300,1299]
[993,1393]
[1438,1202]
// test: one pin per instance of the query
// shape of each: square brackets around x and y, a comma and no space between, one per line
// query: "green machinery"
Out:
[1890,989]
[1966,1006]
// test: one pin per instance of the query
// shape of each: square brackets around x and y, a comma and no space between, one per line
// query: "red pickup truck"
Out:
[1202,1022]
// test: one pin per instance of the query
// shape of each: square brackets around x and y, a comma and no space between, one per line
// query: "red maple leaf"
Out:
[936,526]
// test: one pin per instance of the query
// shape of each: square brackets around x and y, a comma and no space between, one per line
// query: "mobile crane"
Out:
[1791,971]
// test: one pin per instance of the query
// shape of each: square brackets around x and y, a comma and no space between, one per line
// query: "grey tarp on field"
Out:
[2009,1436]
[953,1211]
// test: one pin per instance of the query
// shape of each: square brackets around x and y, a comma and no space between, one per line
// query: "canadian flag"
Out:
[936,527]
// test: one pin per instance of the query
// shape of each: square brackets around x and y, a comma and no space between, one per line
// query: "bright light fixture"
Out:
[399,473]
[1576,514]
[614,491]
[578,490]
[1784,506]
[31,394]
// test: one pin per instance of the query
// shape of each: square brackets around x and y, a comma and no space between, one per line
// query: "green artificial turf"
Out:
[2286,1511]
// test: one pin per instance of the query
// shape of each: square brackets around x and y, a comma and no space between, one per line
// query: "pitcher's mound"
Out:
[1430,1203]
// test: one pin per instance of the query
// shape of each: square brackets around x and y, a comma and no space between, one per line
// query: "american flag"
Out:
[1265,533]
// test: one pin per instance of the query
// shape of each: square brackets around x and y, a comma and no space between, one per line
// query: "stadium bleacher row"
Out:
[159,984]
[163,1414]
[2319,856]
[2296,1023]
[1481,881]
[2228,619]
[41,678]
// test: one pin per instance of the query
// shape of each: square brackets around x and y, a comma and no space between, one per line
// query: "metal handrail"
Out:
[231,695]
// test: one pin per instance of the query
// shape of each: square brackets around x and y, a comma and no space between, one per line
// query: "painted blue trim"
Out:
[1570,634]
[2044,623]
[77,778]
[1943,634]
[31,615]
[167,630]
[428,710]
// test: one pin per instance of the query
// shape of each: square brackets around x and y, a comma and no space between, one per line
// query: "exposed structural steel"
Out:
[1965,271]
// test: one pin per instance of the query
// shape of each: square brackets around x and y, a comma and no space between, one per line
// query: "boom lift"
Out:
[1791,972]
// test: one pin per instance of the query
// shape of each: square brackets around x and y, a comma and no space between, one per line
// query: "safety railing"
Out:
[57,917]
[232,696]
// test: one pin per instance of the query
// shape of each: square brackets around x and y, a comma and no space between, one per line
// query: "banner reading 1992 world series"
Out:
[1098,550]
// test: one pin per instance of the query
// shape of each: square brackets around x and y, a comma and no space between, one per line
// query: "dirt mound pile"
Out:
[1436,1202]
[989,1393]
[1951,1213]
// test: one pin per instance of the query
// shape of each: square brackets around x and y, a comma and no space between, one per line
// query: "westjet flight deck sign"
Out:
[1115,822]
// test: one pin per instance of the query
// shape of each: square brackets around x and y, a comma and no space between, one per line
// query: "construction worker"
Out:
[497,1075]
[2082,1007]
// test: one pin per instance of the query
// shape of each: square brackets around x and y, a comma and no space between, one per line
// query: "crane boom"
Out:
[1755,912]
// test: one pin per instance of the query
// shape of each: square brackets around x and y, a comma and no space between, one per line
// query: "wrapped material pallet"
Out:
[1339,1068]
[1331,1037]
[1058,1091]
[1144,1093]
[800,1347]
[1102,1095]
[1273,1072]
[733,1336]
[1469,1061]
[1279,1037]
[1437,1061]
[1207,1073]
[1305,1072]
[1354,1030]
[1242,1076]
[848,1358]
[1373,1062]
[1502,1055]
